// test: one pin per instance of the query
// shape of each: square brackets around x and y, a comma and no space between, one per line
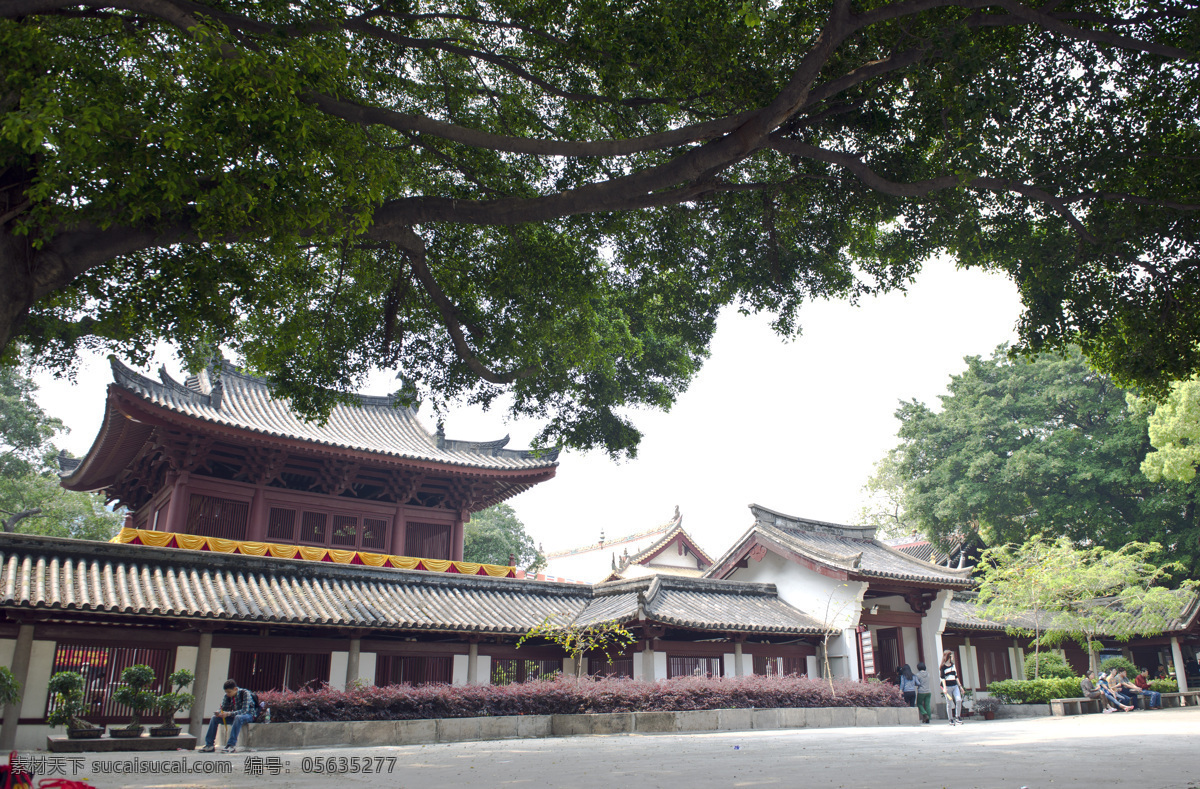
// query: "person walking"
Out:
[948,669]
[910,685]
[924,694]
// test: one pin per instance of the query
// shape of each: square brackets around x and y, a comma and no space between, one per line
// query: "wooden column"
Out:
[178,506]
[456,538]
[200,686]
[473,662]
[1177,656]
[399,532]
[648,662]
[256,529]
[352,661]
[20,670]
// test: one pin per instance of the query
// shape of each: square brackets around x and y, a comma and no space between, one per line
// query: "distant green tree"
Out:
[494,534]
[31,500]
[1039,446]
[1174,433]
[885,506]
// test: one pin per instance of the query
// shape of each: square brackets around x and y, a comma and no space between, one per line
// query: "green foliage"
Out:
[1036,691]
[604,638]
[31,499]
[1118,662]
[1047,665]
[10,689]
[167,704]
[1039,446]
[496,201]
[135,692]
[66,688]
[1163,685]
[492,535]
[885,492]
[1174,433]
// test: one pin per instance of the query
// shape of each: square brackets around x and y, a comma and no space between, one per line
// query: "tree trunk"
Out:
[10,523]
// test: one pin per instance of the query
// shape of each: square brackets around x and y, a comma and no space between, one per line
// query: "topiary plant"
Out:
[67,689]
[135,693]
[10,689]
[1047,665]
[1118,662]
[175,699]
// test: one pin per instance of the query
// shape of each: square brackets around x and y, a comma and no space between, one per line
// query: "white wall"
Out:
[185,657]
[338,662]
[637,664]
[824,599]
[660,665]
[459,670]
[218,672]
[483,675]
[41,664]
[813,665]
[7,646]
[671,558]
[366,667]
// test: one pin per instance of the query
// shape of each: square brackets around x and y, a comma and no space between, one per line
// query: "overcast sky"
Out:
[795,426]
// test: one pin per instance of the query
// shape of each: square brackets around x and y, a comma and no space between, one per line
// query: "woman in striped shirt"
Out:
[954,699]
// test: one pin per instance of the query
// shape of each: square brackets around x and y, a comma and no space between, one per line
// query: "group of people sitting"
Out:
[1117,693]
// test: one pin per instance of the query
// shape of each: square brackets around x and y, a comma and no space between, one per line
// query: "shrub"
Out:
[568,695]
[1118,662]
[10,689]
[1163,685]
[1049,665]
[1035,691]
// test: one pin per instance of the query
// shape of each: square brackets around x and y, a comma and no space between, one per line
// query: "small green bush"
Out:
[10,689]
[1119,663]
[1164,685]
[1049,665]
[1035,691]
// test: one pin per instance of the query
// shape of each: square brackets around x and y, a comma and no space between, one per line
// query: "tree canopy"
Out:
[495,534]
[553,199]
[1174,433]
[31,499]
[1041,446]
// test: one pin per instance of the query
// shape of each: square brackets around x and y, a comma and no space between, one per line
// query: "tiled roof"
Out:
[75,576]
[377,424]
[852,549]
[964,613]
[699,604]
[594,562]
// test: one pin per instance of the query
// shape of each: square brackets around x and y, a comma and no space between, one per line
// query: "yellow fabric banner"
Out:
[253,548]
[158,539]
[195,542]
[282,551]
[222,546]
[312,554]
[192,542]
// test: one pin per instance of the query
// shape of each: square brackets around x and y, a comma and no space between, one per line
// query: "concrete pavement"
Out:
[1148,750]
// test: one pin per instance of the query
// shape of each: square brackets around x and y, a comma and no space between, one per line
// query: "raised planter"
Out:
[165,731]
[126,734]
[85,734]
[58,743]
[444,730]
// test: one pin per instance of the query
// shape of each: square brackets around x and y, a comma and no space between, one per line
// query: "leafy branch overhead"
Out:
[582,641]
[555,200]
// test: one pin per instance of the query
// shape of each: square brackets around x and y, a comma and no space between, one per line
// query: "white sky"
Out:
[795,426]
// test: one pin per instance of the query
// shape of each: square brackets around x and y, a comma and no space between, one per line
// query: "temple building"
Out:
[285,554]
[662,550]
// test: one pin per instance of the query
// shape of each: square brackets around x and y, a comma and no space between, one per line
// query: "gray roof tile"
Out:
[377,425]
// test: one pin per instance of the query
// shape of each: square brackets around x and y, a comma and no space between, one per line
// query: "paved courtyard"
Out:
[1149,750]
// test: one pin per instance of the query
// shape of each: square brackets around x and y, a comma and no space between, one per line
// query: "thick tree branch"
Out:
[10,523]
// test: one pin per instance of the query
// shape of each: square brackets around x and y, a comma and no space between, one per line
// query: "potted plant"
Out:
[172,702]
[988,707]
[968,703]
[66,688]
[135,693]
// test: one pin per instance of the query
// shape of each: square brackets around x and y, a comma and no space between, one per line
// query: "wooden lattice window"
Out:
[313,527]
[506,671]
[345,531]
[414,669]
[279,670]
[101,668]
[281,524]
[617,667]
[374,534]
[678,666]
[427,540]
[211,516]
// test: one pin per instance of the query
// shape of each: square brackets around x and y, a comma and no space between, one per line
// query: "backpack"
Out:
[260,707]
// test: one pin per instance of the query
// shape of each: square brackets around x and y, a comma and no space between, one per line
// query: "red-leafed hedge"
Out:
[567,695]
